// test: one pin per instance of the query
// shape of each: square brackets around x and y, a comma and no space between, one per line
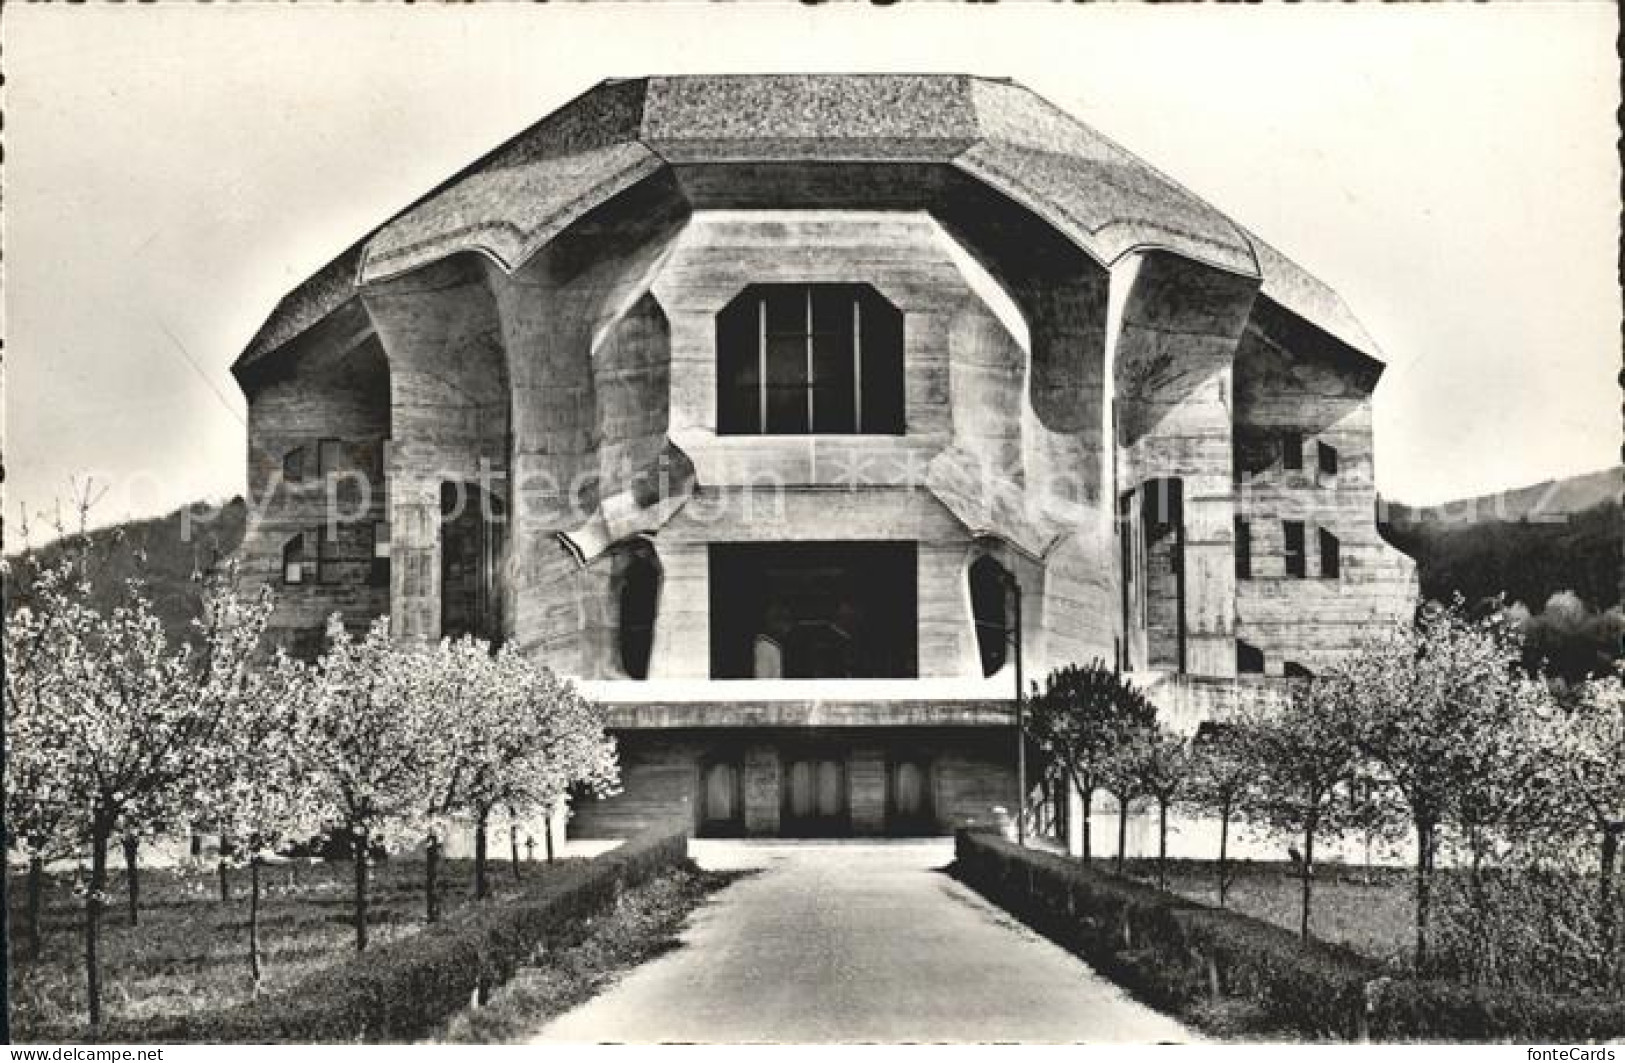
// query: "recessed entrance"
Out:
[814,798]
[722,799]
[909,808]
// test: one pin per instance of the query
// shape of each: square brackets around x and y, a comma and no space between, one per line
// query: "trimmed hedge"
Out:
[1177,953]
[405,989]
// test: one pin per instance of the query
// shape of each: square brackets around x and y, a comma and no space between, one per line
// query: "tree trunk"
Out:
[1308,876]
[1122,831]
[481,887]
[1605,887]
[94,902]
[549,833]
[225,879]
[36,894]
[254,921]
[1088,807]
[513,850]
[1424,884]
[1162,844]
[132,877]
[1224,855]
[360,846]
[431,880]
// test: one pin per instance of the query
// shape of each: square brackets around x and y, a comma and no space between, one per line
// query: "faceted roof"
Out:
[511,203]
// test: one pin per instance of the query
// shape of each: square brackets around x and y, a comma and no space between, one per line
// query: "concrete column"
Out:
[762,790]
[866,788]
[682,642]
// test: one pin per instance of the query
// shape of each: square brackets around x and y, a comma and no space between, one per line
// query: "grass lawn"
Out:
[1370,910]
[190,951]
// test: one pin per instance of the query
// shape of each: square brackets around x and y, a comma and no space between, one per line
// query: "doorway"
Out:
[909,806]
[722,800]
[814,798]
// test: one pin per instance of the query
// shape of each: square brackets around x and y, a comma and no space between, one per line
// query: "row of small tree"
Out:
[1432,733]
[117,733]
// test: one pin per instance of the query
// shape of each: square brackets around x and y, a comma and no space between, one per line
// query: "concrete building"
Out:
[748,401]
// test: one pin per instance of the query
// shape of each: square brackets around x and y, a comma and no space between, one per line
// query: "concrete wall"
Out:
[333,385]
[1325,396]
[970,774]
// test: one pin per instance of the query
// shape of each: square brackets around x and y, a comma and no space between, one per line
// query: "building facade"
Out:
[761,405]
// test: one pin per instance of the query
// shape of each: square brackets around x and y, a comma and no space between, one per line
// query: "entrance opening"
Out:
[909,807]
[814,798]
[813,611]
[722,799]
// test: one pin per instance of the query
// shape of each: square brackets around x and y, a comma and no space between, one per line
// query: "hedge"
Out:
[405,989]
[1177,953]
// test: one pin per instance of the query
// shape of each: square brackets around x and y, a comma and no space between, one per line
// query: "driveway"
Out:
[857,941]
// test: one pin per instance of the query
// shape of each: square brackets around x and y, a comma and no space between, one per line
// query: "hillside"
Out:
[1528,543]
[174,555]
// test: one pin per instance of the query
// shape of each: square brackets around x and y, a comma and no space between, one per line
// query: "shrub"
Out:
[1182,955]
[404,989]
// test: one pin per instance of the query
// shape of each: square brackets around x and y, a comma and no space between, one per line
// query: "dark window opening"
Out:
[796,359]
[1244,549]
[329,456]
[1292,533]
[346,553]
[471,549]
[1292,451]
[294,559]
[1331,555]
[813,611]
[293,465]
[380,554]
[1249,659]
[1294,670]
[1327,458]
[639,596]
[990,609]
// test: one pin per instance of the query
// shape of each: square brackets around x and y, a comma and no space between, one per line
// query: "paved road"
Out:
[857,941]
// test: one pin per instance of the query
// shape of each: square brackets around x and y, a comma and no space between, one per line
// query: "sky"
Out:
[171,170]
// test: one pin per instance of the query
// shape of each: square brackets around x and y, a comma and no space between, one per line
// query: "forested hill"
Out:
[168,552]
[1528,543]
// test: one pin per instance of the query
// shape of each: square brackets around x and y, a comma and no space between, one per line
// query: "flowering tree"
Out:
[366,742]
[1124,777]
[529,739]
[1079,718]
[256,790]
[42,795]
[1431,706]
[1223,778]
[125,713]
[1305,754]
[1165,775]
[1586,745]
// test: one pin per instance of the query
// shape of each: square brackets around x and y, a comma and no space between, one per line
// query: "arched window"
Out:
[989,603]
[800,359]
[1249,658]
[638,577]
[294,559]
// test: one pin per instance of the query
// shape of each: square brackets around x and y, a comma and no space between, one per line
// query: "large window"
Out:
[1292,537]
[795,359]
[989,601]
[813,610]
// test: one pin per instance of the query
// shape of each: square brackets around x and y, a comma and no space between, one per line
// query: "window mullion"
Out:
[810,421]
[761,365]
[857,364]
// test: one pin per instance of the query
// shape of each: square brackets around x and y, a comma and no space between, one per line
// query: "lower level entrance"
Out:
[815,802]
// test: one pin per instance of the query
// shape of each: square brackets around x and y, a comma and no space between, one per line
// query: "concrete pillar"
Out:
[762,789]
[866,789]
